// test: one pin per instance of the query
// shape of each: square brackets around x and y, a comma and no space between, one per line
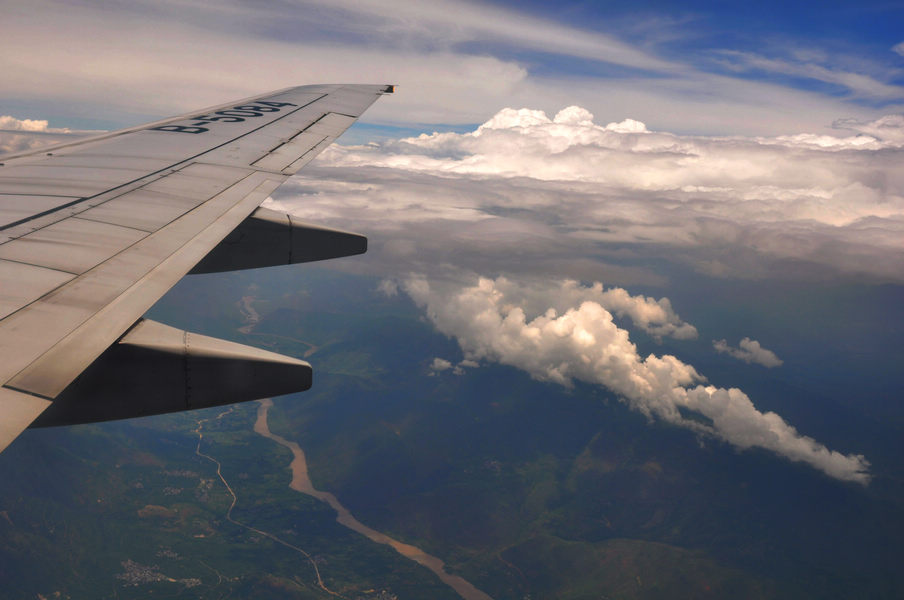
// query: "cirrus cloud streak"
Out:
[455,62]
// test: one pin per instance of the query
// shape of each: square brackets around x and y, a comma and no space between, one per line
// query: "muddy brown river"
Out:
[302,483]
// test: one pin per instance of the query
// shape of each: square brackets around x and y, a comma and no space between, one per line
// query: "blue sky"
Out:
[836,35]
[726,24]
[709,68]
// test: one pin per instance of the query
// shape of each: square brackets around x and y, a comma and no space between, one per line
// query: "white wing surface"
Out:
[93,233]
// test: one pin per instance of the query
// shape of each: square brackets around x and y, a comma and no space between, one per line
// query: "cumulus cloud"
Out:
[21,135]
[655,317]
[490,321]
[13,124]
[578,198]
[750,351]
[521,142]
[899,48]
[440,364]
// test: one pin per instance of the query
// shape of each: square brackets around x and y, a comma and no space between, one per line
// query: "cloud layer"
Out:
[750,351]
[563,189]
[582,342]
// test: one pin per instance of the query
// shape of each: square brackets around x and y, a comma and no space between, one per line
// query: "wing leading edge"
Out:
[94,232]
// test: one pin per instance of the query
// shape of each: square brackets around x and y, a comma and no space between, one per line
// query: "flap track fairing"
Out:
[156,369]
[269,238]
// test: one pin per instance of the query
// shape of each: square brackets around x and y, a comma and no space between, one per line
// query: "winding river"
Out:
[302,483]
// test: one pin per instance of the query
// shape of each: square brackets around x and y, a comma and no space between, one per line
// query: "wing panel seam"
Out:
[185,160]
[77,276]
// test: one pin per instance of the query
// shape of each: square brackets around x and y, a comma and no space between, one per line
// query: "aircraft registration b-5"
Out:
[94,232]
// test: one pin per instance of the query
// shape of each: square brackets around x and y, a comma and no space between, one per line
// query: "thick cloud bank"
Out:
[750,351]
[802,205]
[578,340]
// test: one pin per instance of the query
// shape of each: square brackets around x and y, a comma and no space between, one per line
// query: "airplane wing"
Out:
[94,232]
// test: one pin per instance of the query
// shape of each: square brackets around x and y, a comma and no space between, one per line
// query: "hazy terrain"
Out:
[524,488]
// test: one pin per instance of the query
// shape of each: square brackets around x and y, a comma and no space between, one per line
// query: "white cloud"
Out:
[13,124]
[527,143]
[899,48]
[490,322]
[750,351]
[440,364]
[388,288]
[653,316]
